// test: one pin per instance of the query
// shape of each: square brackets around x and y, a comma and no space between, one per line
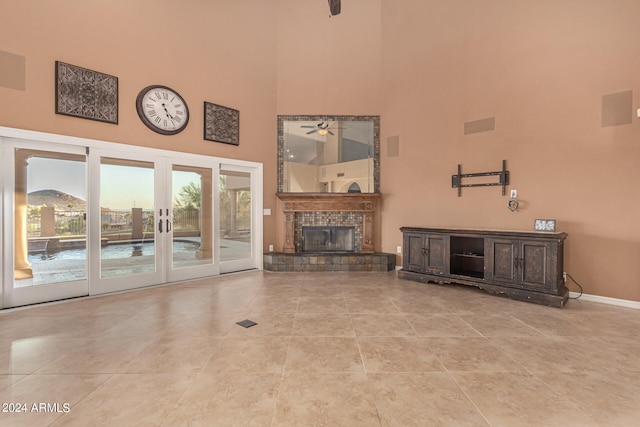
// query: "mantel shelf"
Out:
[318,202]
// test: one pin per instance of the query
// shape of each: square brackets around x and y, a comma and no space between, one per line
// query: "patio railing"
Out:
[74,223]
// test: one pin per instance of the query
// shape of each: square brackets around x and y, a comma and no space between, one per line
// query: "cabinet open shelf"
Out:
[467,256]
[470,273]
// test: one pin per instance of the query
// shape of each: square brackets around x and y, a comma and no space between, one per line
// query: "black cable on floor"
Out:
[579,285]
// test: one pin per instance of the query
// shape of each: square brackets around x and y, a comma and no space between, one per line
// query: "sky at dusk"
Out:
[121,187]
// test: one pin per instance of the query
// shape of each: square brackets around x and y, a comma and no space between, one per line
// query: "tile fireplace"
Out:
[329,209]
[326,217]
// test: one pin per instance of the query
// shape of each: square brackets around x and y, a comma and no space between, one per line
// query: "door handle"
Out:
[168,225]
[518,263]
[160,226]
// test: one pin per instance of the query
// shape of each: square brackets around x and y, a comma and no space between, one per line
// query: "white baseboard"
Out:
[607,300]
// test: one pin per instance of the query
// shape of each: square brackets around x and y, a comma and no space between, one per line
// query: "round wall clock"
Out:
[162,110]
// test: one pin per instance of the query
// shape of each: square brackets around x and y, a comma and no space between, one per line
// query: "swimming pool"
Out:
[114,251]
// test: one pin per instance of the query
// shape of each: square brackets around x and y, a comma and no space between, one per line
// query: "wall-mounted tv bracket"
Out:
[503,177]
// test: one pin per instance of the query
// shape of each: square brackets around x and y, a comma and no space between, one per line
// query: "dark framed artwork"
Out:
[86,93]
[221,124]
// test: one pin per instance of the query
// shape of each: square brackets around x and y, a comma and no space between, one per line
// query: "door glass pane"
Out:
[50,202]
[192,216]
[235,215]
[127,212]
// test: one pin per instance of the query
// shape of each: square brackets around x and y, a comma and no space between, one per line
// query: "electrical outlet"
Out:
[514,194]
[399,249]
[270,248]
[564,276]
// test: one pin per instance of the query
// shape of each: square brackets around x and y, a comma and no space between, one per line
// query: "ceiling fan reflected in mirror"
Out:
[321,128]
[334,7]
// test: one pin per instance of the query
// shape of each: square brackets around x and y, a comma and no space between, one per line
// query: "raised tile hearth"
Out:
[347,261]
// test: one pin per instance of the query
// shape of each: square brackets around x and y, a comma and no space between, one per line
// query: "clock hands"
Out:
[167,111]
[168,115]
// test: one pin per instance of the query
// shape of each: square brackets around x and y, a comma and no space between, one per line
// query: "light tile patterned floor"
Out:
[334,349]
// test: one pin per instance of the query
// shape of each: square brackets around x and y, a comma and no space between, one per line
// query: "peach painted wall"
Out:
[426,66]
[328,65]
[541,69]
[216,51]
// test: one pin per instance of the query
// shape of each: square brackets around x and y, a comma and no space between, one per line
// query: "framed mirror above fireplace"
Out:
[328,154]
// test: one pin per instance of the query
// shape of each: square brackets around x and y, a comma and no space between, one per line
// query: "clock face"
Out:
[162,110]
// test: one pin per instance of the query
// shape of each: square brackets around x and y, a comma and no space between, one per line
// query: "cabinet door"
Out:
[534,264]
[503,260]
[425,253]
[436,249]
[414,250]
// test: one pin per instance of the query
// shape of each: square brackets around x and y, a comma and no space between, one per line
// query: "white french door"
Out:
[45,202]
[240,245]
[87,217]
[126,245]
[167,209]
[193,249]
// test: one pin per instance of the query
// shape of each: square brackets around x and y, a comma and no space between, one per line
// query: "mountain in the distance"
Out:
[62,201]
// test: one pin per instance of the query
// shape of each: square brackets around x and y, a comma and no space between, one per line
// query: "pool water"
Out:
[115,251]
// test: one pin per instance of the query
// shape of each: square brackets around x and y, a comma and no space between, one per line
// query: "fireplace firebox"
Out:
[328,239]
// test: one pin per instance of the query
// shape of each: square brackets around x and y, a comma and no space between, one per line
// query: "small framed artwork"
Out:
[544,225]
[221,124]
[86,93]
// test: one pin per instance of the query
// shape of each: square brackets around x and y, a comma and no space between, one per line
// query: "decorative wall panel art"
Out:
[221,124]
[86,94]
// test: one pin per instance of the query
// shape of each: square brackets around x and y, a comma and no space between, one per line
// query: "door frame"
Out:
[256,216]
[97,284]
[188,273]
[8,135]
[39,293]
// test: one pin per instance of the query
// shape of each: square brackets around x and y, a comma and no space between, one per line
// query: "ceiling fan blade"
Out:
[330,132]
[309,127]
[312,131]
